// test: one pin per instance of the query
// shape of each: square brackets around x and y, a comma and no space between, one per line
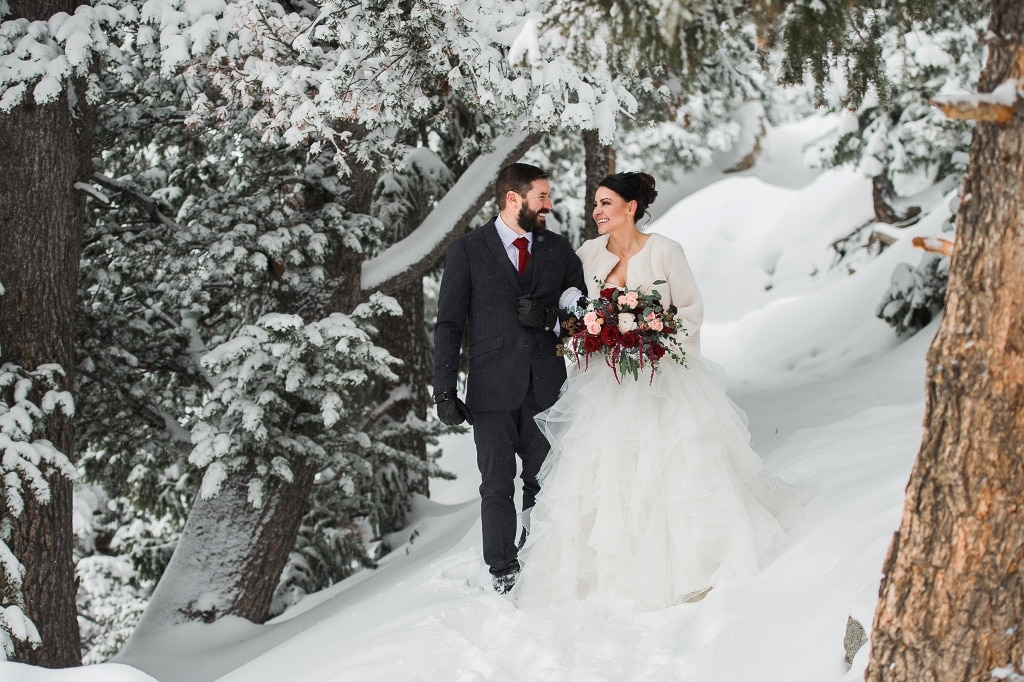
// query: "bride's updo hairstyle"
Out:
[632,186]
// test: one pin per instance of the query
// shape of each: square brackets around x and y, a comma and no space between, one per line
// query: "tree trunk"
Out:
[406,339]
[45,150]
[230,555]
[394,269]
[599,161]
[882,195]
[952,594]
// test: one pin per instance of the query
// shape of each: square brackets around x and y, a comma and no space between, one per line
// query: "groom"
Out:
[505,281]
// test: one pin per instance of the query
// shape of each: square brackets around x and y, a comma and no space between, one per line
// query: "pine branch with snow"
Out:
[916,295]
[27,462]
[278,382]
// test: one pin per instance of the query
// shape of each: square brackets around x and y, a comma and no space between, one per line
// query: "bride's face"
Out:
[612,212]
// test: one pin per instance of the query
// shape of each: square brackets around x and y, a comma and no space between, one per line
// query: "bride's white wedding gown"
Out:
[651,493]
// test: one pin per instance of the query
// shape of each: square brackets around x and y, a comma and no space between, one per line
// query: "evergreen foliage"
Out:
[26,398]
[840,40]
[113,588]
[198,235]
[905,139]
[916,295]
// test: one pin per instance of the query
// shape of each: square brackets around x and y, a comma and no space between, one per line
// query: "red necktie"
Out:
[524,253]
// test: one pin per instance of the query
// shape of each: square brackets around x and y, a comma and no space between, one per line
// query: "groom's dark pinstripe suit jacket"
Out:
[482,287]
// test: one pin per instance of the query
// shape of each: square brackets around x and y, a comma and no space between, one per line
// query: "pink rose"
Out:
[593,322]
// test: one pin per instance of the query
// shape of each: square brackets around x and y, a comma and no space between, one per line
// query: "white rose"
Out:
[627,322]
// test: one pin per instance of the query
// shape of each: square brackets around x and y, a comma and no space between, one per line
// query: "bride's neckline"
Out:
[623,263]
[643,245]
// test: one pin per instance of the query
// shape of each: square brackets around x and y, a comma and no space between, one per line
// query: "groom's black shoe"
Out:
[505,580]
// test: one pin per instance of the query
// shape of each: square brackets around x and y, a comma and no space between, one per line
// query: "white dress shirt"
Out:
[507,236]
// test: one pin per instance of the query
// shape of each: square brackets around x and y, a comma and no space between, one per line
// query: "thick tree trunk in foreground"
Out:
[952,595]
[44,150]
[599,161]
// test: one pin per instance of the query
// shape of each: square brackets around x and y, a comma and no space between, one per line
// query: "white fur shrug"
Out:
[660,258]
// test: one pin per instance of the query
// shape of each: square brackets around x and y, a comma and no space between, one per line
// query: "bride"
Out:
[651,494]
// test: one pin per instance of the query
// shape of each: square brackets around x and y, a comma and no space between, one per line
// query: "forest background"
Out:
[222,225]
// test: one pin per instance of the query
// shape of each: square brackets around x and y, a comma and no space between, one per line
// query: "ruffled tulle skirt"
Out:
[651,493]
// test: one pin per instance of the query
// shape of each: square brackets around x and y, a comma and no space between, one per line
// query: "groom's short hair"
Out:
[516,178]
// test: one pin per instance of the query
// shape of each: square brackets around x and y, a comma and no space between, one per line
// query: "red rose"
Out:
[591,343]
[630,340]
[656,352]
[608,293]
[609,335]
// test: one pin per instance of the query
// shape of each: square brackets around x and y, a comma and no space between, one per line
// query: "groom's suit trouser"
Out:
[499,437]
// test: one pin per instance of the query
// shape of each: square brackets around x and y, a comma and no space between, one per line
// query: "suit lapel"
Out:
[540,258]
[497,250]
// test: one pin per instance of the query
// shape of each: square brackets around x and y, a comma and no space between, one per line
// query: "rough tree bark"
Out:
[599,161]
[46,150]
[952,595]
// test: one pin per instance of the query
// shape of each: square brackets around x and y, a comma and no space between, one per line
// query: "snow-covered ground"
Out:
[835,403]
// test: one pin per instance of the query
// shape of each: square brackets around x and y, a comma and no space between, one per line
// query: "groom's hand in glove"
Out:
[533,313]
[451,410]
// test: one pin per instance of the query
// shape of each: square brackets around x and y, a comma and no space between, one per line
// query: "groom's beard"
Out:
[532,221]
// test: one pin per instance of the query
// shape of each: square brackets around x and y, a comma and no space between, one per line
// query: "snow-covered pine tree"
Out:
[915,295]
[400,63]
[188,30]
[34,473]
[199,234]
[900,139]
[688,67]
[112,589]
[897,137]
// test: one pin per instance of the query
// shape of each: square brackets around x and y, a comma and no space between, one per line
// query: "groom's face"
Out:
[535,207]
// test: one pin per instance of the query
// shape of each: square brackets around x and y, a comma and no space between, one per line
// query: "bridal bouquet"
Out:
[629,327]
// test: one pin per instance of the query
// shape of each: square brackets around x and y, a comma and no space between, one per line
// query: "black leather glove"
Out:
[451,410]
[533,313]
